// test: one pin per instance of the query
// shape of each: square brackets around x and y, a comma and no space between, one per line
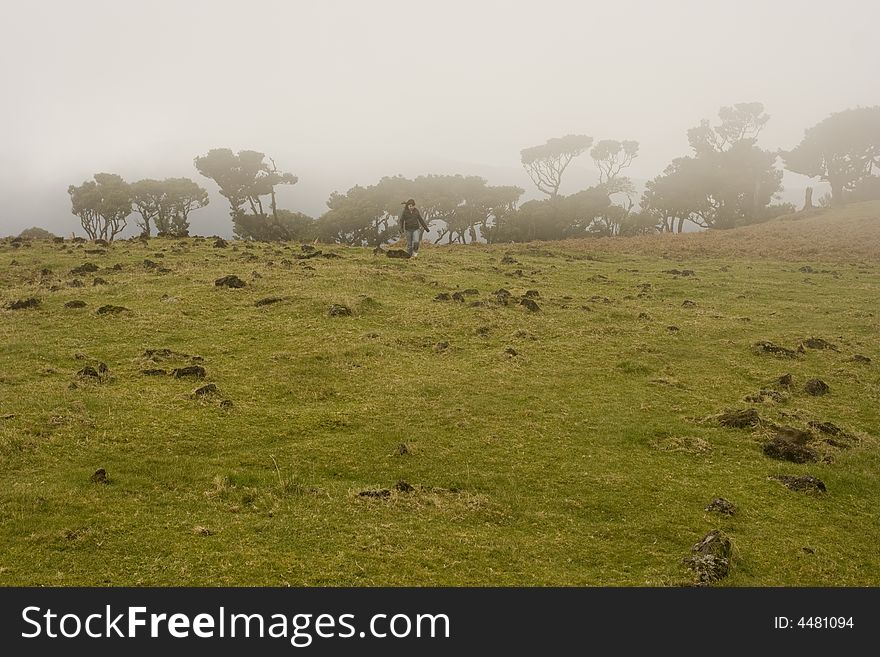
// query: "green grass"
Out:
[585,459]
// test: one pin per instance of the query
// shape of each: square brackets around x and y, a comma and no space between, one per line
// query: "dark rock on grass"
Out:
[720,505]
[99,281]
[710,560]
[382,493]
[530,305]
[763,395]
[458,296]
[397,253]
[509,260]
[100,477]
[805,483]
[117,267]
[23,304]
[268,301]
[740,419]
[226,404]
[766,347]
[149,264]
[76,283]
[87,268]
[816,387]
[206,391]
[532,294]
[111,310]
[76,303]
[102,368]
[673,329]
[644,315]
[443,296]
[785,380]
[510,351]
[441,346]
[784,449]
[191,371]
[339,310]
[230,281]
[687,303]
[819,343]
[402,449]
[329,256]
[806,269]
[100,242]
[307,248]
[154,372]
[859,358]
[679,272]
[403,487]
[220,243]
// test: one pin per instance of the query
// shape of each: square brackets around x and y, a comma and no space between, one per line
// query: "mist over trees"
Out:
[727,180]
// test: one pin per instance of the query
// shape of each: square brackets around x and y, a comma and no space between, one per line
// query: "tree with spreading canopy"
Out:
[546,162]
[244,178]
[102,205]
[841,150]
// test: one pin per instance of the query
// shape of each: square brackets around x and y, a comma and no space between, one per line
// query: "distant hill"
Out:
[850,233]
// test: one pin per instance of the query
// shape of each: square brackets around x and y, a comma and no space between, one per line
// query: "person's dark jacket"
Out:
[410,220]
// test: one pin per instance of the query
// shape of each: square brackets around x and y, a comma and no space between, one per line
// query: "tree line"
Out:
[727,180]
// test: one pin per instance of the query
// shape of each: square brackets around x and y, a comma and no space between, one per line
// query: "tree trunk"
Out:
[808,199]
[836,193]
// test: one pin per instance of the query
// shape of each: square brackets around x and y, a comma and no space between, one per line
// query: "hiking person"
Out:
[413,225]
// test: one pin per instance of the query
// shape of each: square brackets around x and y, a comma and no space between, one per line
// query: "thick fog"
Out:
[343,92]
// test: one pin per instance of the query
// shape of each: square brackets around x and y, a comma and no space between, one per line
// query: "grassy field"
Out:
[439,442]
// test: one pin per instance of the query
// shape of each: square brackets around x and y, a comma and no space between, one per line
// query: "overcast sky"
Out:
[344,92]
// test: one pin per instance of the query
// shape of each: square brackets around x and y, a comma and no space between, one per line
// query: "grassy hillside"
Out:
[421,441]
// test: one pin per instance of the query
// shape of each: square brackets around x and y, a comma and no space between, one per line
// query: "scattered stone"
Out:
[117,267]
[710,560]
[154,372]
[816,387]
[268,301]
[226,404]
[441,346]
[509,260]
[397,253]
[100,477]
[339,310]
[673,329]
[859,358]
[403,487]
[687,303]
[789,444]
[402,449]
[76,283]
[677,272]
[198,530]
[23,304]
[532,294]
[193,371]
[458,296]
[740,419]
[230,281]
[220,243]
[87,268]
[382,493]
[763,395]
[443,296]
[806,483]
[776,350]
[111,310]
[720,505]
[149,264]
[99,281]
[785,380]
[206,390]
[808,550]
[307,248]
[530,305]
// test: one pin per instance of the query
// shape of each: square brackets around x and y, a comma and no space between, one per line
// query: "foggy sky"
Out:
[343,92]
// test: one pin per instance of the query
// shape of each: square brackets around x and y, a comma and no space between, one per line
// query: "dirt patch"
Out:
[339,310]
[23,304]
[819,343]
[111,310]
[404,487]
[220,243]
[397,253]
[764,395]
[87,268]
[739,418]
[100,477]
[530,305]
[230,281]
[191,371]
[790,444]
[765,347]
[76,303]
[804,483]
[268,301]
[859,358]
[785,380]
[208,390]
[816,387]
[721,505]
